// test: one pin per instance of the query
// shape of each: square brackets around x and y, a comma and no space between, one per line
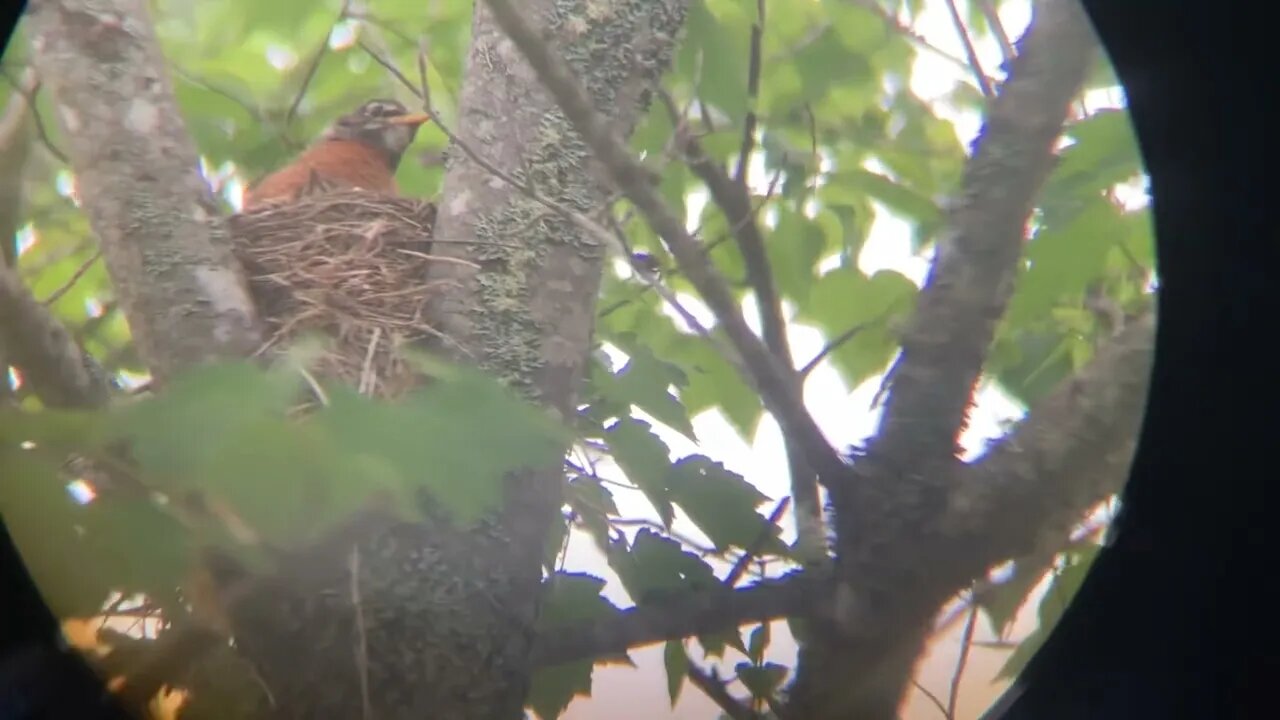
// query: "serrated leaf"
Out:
[717,33]
[1065,260]
[645,459]
[571,599]
[794,249]
[676,662]
[645,382]
[715,383]
[1030,364]
[895,195]
[429,437]
[757,643]
[1066,582]
[1001,603]
[131,545]
[593,504]
[655,566]
[1105,152]
[192,424]
[843,299]
[551,689]
[814,61]
[762,680]
[722,504]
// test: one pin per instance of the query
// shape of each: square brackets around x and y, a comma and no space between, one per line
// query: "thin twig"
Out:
[315,64]
[740,568]
[933,698]
[984,83]
[71,282]
[28,90]
[391,68]
[200,82]
[997,28]
[774,382]
[711,685]
[753,95]
[910,34]
[966,641]
[362,639]
[831,347]
[585,223]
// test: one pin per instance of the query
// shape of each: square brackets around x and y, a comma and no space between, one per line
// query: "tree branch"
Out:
[36,342]
[713,687]
[685,615]
[1070,452]
[970,52]
[894,574]
[635,181]
[946,342]
[163,241]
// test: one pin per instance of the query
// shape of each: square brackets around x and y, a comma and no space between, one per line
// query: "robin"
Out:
[360,150]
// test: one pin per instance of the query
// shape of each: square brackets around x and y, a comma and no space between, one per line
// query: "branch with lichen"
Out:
[766,374]
[162,237]
[38,344]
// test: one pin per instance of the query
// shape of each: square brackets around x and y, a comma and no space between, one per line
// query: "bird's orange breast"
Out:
[343,163]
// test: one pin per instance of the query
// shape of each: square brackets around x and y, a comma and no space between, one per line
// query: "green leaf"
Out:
[1065,584]
[714,383]
[1105,152]
[645,459]
[429,437]
[758,643]
[551,689]
[858,27]
[845,299]
[814,63]
[897,197]
[656,566]
[593,504]
[1065,260]
[676,662]
[716,34]
[193,423]
[1001,603]
[571,599]
[723,505]
[1030,364]
[645,382]
[76,553]
[762,680]
[794,249]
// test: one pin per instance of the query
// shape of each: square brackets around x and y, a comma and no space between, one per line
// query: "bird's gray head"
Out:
[384,124]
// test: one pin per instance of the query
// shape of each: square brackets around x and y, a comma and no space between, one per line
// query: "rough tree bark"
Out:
[163,240]
[896,564]
[448,613]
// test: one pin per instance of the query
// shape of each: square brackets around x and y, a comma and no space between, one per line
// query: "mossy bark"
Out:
[440,619]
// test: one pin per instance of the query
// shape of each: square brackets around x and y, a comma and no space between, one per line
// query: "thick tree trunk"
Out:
[438,620]
[895,564]
[163,239]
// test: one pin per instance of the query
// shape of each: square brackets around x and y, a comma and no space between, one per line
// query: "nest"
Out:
[350,267]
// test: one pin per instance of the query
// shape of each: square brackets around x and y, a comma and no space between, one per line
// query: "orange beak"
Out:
[410,119]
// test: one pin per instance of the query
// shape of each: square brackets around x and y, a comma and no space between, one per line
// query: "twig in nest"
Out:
[350,266]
